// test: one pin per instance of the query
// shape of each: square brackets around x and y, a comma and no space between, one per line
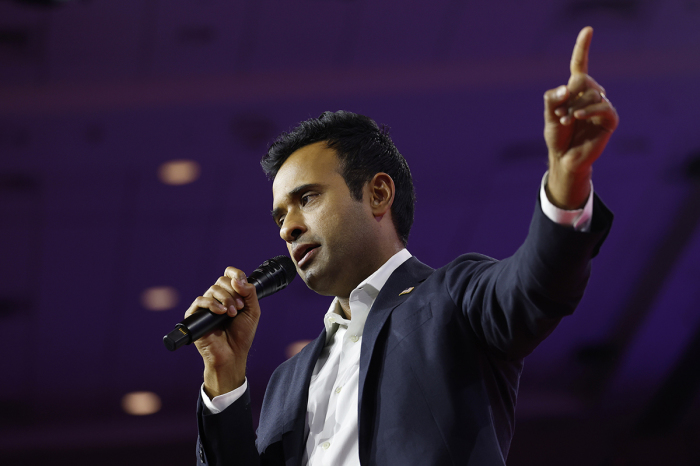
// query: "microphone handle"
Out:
[269,278]
[199,323]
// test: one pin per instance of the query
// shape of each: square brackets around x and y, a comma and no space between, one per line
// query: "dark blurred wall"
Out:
[95,96]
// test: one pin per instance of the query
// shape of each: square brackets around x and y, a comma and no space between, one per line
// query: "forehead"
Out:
[312,164]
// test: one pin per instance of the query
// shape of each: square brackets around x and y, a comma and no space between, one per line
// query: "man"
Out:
[415,365]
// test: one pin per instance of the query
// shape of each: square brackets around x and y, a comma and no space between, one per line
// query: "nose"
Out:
[292,227]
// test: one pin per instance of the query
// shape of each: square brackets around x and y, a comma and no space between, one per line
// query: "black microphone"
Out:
[273,275]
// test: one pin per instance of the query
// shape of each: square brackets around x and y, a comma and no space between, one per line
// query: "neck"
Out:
[345,306]
[344,301]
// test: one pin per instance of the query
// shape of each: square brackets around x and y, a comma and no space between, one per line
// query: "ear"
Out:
[381,194]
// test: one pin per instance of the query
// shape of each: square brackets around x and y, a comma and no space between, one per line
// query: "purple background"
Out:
[95,95]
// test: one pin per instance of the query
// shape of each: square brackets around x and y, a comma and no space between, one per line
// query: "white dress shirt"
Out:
[331,421]
[331,430]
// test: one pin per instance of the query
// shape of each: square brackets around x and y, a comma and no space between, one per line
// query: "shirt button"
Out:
[326,445]
[337,390]
[354,338]
[331,319]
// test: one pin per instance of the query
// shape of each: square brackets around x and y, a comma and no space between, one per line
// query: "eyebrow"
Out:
[294,192]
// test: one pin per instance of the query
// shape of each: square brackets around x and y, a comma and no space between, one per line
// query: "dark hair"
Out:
[364,149]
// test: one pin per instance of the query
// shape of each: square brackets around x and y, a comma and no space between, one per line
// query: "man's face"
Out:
[329,234]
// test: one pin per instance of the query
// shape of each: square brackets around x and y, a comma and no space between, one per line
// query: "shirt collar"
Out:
[362,298]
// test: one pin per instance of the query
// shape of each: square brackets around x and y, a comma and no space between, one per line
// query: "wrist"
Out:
[218,382]
[568,189]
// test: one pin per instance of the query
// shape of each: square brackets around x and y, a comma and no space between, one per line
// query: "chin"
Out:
[317,287]
[316,283]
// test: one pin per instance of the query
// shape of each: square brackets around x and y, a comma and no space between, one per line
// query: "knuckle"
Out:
[206,301]
[221,294]
[231,272]
[196,304]
[213,305]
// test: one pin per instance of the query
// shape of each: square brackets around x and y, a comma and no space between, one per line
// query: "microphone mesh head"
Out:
[287,264]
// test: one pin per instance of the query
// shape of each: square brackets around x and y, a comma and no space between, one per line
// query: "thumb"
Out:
[557,127]
[553,99]
[245,290]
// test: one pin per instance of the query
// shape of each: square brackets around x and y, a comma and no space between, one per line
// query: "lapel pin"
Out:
[406,291]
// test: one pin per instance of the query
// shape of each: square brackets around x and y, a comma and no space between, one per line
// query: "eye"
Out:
[280,222]
[306,198]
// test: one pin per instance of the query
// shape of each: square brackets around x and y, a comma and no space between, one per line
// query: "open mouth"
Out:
[305,253]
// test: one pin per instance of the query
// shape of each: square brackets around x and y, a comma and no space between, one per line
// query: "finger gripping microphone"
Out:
[273,275]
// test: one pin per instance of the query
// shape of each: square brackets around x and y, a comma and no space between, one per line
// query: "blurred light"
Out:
[178,172]
[159,298]
[141,403]
[294,348]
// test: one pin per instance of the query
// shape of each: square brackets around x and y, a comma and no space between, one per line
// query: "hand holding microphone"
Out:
[222,340]
[272,276]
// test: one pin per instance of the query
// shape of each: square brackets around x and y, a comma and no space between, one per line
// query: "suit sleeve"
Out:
[513,304]
[227,438]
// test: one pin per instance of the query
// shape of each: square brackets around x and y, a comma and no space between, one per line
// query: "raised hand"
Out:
[225,350]
[579,120]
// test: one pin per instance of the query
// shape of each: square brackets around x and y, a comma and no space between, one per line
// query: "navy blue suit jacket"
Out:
[439,366]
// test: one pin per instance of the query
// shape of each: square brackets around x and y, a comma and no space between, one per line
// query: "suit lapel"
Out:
[394,292]
[297,400]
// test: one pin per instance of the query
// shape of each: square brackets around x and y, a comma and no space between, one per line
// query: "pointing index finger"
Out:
[579,58]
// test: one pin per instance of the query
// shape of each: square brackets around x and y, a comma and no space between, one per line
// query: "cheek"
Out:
[348,224]
[341,219]
[325,219]
[338,223]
